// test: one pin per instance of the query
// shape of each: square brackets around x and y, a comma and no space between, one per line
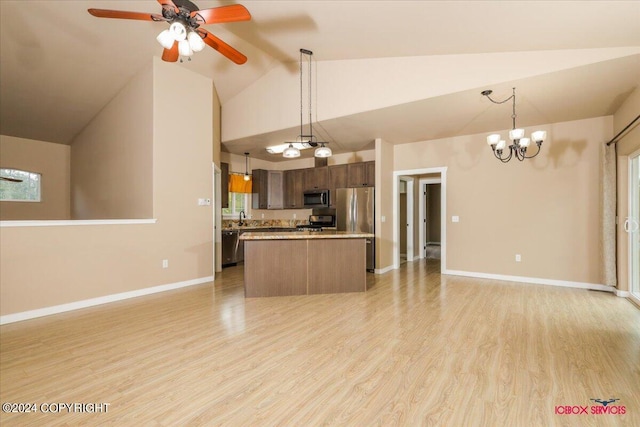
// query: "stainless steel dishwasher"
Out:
[229,247]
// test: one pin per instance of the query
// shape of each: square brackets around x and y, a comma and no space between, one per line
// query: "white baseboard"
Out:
[534,280]
[623,294]
[383,270]
[32,314]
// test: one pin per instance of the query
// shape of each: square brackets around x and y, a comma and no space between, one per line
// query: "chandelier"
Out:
[519,145]
[303,141]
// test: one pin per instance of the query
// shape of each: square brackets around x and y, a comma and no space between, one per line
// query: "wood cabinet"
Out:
[293,188]
[283,266]
[267,189]
[337,179]
[224,185]
[284,189]
[361,174]
[316,178]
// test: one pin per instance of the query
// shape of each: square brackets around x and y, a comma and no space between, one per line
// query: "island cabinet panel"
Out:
[337,179]
[276,268]
[278,264]
[330,274]
[293,188]
[316,178]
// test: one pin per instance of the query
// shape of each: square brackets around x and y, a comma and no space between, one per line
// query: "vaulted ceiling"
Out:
[59,65]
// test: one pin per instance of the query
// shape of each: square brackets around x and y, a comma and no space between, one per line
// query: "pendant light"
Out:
[309,140]
[246,176]
[323,151]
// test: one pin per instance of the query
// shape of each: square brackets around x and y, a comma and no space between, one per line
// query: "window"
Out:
[20,186]
[238,202]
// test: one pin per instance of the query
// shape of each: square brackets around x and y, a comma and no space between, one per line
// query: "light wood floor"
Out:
[415,349]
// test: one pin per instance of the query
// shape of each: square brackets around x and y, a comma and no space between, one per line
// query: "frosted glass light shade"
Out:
[291,152]
[323,151]
[501,145]
[184,48]
[493,139]
[279,149]
[246,177]
[524,142]
[166,39]
[195,41]
[178,31]
[516,133]
[539,136]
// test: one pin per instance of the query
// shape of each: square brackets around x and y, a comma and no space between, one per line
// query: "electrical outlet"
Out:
[518,258]
[294,216]
[455,218]
[165,263]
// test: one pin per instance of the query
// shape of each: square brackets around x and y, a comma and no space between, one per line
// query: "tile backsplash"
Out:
[248,223]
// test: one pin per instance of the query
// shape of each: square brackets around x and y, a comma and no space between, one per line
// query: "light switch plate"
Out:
[455,218]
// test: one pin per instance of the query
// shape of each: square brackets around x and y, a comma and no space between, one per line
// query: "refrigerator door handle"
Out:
[353,209]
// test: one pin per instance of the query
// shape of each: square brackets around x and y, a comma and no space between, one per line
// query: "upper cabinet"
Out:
[293,188]
[284,189]
[337,179]
[361,174]
[224,185]
[268,189]
[316,178]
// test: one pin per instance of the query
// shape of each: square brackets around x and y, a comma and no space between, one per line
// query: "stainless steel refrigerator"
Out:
[355,213]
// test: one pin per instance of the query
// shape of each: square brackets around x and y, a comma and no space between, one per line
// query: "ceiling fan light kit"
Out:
[518,148]
[185,35]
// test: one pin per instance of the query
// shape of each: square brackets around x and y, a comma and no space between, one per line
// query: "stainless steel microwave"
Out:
[316,199]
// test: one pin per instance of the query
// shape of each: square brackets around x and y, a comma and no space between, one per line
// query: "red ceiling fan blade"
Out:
[222,47]
[123,14]
[169,3]
[217,15]
[171,55]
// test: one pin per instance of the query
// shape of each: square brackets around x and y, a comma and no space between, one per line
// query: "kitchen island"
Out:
[304,263]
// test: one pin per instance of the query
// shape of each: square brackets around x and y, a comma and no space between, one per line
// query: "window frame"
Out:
[236,212]
[39,181]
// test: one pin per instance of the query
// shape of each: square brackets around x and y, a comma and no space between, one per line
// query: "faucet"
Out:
[242,216]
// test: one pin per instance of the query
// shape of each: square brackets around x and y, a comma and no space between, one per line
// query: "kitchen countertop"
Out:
[259,227]
[293,235]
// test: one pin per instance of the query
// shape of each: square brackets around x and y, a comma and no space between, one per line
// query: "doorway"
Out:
[632,226]
[436,175]
[431,221]
[406,231]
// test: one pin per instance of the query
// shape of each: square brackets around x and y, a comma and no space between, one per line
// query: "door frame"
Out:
[217,220]
[423,182]
[633,202]
[443,211]
[409,228]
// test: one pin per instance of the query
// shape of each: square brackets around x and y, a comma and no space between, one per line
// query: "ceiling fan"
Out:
[185,35]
